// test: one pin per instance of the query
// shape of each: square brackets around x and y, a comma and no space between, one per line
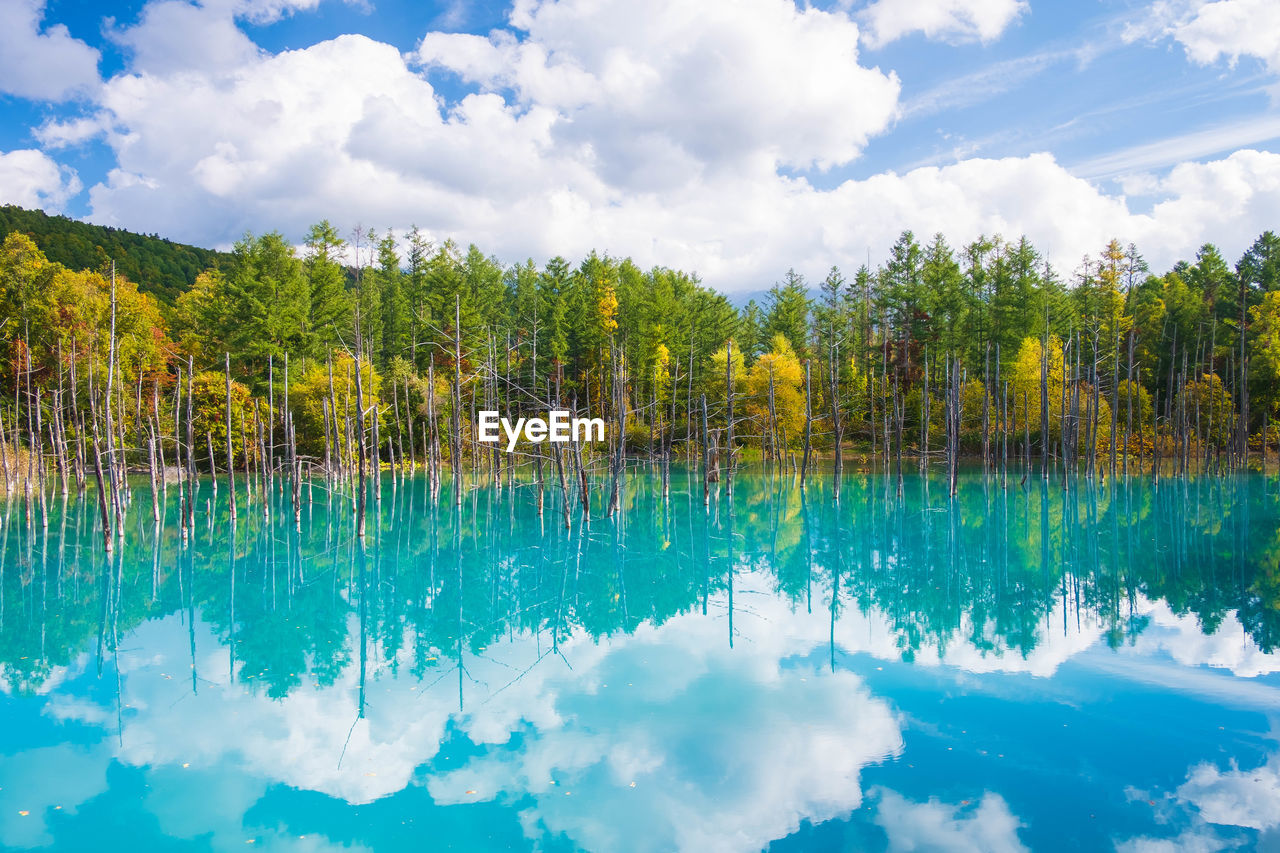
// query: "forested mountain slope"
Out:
[159,266]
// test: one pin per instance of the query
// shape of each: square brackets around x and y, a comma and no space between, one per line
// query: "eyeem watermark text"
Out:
[558,426]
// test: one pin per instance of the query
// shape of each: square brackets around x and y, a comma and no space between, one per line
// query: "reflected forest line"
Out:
[434,581]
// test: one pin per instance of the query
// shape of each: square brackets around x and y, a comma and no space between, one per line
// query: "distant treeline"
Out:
[159,266]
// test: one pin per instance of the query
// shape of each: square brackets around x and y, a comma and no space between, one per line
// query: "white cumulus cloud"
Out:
[1184,640]
[1221,29]
[1215,805]
[946,20]
[988,827]
[667,136]
[44,64]
[31,178]
[172,36]
[177,36]
[1235,797]
[722,83]
[728,748]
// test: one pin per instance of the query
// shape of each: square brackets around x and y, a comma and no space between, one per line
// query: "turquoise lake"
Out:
[1016,667]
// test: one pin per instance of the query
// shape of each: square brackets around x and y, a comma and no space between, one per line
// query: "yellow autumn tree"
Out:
[1025,385]
[660,373]
[607,310]
[1265,361]
[49,308]
[197,314]
[209,404]
[781,366]
[307,396]
[1208,409]
[606,323]
[714,383]
[1110,304]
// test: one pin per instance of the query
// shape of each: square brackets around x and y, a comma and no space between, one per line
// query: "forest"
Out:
[940,353]
[161,267]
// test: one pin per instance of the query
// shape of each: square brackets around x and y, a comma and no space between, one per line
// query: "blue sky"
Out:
[735,138]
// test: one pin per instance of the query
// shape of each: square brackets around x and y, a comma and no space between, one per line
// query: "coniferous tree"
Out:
[394,310]
[329,310]
[750,332]
[267,303]
[417,297]
[787,312]
[555,282]
[945,297]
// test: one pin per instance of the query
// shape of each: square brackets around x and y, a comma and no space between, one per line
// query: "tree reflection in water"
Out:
[991,569]
[676,676]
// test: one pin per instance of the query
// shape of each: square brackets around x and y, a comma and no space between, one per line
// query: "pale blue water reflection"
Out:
[1020,668]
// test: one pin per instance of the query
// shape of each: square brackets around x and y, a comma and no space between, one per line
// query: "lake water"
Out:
[1012,668]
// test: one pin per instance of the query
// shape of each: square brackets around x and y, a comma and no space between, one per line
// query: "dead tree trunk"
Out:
[808,424]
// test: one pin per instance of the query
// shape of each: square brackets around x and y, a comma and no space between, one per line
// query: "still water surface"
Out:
[1011,669]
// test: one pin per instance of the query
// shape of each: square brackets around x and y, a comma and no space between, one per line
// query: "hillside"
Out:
[159,266]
